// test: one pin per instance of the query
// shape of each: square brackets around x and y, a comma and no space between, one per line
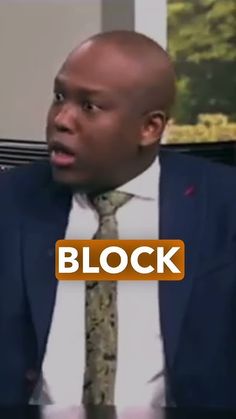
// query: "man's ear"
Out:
[153,127]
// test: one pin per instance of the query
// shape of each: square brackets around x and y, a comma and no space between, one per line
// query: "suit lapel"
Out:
[44,222]
[182,214]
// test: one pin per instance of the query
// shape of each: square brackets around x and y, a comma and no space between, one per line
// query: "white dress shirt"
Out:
[140,349]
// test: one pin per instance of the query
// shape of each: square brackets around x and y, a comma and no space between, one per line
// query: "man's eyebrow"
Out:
[81,90]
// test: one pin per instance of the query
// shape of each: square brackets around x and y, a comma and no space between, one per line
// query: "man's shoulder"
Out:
[30,189]
[214,184]
[20,185]
[215,173]
[26,176]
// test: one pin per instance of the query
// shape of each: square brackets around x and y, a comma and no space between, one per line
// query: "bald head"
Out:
[141,59]
[112,98]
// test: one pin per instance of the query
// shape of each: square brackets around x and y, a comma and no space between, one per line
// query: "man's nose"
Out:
[66,119]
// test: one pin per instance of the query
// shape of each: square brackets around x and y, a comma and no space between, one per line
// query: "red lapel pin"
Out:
[190,191]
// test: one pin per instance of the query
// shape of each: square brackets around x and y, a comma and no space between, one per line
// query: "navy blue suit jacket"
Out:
[198,314]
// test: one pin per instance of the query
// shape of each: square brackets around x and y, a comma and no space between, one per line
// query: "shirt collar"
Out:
[145,184]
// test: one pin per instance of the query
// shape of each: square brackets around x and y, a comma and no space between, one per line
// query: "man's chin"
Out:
[68,178]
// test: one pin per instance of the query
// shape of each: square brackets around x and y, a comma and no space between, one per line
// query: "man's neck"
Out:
[130,174]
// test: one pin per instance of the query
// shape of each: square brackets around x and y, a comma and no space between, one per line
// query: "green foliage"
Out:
[208,128]
[183,98]
[208,87]
[202,42]
[202,30]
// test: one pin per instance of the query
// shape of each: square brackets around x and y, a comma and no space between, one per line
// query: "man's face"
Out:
[93,129]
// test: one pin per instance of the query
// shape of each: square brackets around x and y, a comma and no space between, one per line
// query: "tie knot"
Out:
[109,202]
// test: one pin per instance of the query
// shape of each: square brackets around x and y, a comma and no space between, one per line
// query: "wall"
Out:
[35,37]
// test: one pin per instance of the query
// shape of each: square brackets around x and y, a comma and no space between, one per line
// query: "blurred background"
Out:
[200,35]
[202,42]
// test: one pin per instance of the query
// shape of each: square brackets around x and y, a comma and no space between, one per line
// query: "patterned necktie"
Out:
[101,320]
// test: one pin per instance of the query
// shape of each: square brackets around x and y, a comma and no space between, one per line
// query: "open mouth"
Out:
[61,155]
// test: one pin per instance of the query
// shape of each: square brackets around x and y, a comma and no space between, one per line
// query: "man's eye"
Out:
[89,106]
[58,97]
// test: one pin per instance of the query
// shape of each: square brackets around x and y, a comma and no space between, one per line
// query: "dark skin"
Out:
[112,98]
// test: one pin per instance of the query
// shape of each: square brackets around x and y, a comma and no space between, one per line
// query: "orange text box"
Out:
[115,260]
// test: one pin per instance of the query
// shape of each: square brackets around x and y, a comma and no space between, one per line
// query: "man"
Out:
[130,344]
